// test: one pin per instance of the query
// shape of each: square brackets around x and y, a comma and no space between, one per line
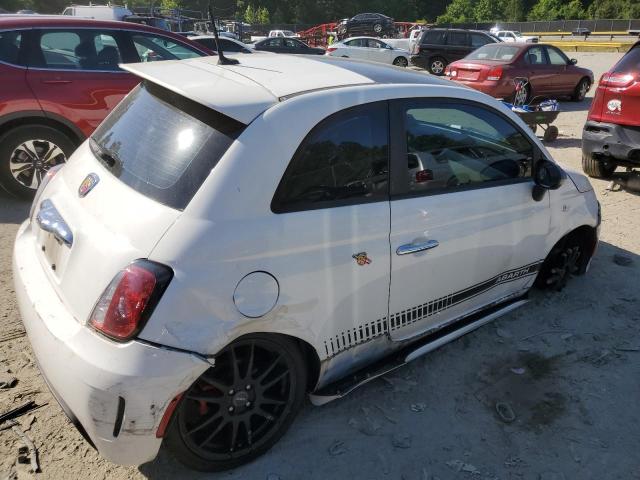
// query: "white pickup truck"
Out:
[276,33]
[514,36]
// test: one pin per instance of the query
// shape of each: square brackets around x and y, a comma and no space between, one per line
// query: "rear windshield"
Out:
[494,52]
[163,145]
[630,63]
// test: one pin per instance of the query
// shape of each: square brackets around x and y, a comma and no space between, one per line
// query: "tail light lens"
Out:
[424,176]
[616,80]
[495,73]
[129,300]
[331,49]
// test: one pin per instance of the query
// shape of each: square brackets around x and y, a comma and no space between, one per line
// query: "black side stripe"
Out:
[433,307]
[364,333]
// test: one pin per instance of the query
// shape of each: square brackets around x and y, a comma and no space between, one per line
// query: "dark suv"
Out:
[611,136]
[439,47]
[369,24]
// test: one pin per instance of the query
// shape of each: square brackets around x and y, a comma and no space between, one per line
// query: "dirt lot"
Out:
[568,363]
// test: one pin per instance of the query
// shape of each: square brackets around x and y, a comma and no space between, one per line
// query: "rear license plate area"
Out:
[52,250]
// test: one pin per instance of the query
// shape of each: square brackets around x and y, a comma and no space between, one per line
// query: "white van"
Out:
[98,12]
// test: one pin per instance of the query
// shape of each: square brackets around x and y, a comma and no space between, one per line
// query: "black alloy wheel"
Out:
[238,409]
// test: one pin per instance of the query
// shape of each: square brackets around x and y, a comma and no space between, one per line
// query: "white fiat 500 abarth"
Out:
[233,237]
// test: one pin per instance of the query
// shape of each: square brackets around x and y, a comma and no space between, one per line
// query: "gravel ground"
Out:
[567,362]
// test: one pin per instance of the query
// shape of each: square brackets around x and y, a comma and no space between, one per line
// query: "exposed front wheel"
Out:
[401,62]
[597,168]
[26,153]
[569,257]
[437,66]
[241,407]
[377,28]
[581,90]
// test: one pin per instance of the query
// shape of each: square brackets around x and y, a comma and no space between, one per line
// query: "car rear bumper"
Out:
[612,141]
[493,88]
[116,393]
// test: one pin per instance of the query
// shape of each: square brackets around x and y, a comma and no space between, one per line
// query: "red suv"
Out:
[611,136]
[60,79]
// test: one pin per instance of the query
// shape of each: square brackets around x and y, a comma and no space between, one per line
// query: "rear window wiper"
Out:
[108,157]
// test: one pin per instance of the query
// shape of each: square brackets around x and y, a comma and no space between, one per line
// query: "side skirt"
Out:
[412,351]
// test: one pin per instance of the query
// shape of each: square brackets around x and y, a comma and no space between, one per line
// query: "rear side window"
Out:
[10,47]
[630,63]
[77,50]
[163,145]
[343,161]
[358,42]
[432,37]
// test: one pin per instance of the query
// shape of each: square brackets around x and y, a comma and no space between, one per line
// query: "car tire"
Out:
[245,422]
[401,62]
[26,153]
[569,257]
[437,66]
[597,168]
[580,92]
[377,28]
[550,134]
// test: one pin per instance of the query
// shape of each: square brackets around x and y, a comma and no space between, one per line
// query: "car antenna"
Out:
[222,60]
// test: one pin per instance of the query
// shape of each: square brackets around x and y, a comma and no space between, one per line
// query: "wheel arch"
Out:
[587,236]
[36,117]
[309,353]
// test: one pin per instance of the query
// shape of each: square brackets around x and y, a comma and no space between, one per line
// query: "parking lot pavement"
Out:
[567,363]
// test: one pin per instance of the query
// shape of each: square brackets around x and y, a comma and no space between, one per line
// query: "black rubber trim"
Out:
[119,417]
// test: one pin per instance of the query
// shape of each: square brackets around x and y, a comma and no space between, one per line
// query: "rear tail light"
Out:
[616,80]
[424,176]
[495,73]
[129,300]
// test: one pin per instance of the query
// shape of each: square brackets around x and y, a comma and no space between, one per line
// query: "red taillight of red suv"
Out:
[129,300]
[616,80]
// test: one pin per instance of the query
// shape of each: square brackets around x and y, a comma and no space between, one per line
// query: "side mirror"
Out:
[573,61]
[548,175]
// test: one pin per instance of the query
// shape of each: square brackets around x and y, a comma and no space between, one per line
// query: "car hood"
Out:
[579,180]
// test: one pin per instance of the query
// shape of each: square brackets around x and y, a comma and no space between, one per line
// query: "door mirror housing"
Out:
[548,175]
[573,61]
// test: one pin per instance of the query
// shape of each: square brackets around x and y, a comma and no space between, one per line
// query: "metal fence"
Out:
[597,26]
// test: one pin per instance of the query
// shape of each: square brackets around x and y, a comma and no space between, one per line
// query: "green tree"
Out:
[573,10]
[262,16]
[514,10]
[488,11]
[458,11]
[250,15]
[546,10]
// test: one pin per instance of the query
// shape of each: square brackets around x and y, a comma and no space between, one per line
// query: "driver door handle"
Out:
[416,247]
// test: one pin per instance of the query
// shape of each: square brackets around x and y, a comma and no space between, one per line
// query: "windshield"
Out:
[163,145]
[517,34]
[289,33]
[494,51]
